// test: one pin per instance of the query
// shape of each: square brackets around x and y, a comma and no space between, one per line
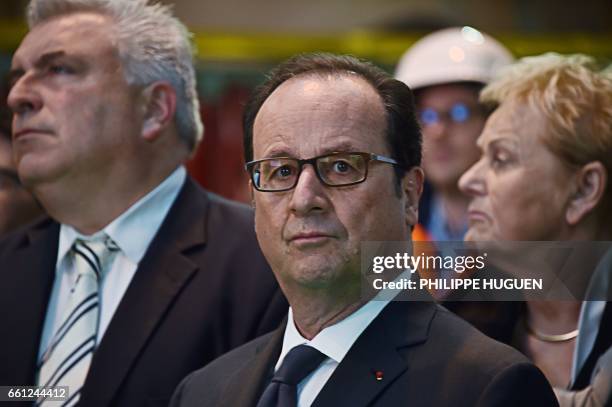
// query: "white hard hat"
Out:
[455,54]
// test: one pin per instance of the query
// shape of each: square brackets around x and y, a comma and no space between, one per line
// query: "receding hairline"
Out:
[327,75]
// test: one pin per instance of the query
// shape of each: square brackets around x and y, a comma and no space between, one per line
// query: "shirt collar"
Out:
[135,228]
[335,340]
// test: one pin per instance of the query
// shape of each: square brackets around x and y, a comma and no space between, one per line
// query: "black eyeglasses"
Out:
[458,113]
[334,170]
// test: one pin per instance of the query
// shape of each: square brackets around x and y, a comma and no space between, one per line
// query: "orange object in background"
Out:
[419,234]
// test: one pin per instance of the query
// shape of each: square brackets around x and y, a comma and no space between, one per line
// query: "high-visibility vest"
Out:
[420,234]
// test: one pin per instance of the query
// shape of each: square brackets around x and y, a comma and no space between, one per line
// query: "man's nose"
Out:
[23,97]
[309,193]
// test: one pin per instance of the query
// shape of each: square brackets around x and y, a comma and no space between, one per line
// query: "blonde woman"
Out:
[544,175]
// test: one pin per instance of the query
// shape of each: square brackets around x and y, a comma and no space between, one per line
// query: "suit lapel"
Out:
[253,377]
[164,270]
[30,274]
[374,361]
[602,343]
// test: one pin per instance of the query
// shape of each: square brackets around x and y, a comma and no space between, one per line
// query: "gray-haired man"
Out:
[139,276]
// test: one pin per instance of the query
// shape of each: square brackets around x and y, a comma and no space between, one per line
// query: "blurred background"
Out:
[239,40]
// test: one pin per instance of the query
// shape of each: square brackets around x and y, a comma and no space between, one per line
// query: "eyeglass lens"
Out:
[458,113]
[337,169]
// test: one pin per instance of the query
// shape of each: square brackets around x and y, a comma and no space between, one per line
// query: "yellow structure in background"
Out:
[384,48]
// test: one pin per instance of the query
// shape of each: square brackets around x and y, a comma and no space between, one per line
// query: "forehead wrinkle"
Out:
[319,93]
[58,34]
[278,146]
[310,100]
[77,21]
[327,146]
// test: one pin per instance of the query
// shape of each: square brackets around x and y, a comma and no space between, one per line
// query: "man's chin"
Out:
[32,175]
[313,272]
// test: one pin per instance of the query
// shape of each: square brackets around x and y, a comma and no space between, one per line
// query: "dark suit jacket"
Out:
[428,357]
[202,288]
[500,319]
[603,342]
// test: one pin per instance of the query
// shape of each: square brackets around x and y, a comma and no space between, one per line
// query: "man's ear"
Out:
[412,188]
[159,102]
[590,183]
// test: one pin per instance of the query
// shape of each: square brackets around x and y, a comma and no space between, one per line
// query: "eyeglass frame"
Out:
[472,110]
[313,161]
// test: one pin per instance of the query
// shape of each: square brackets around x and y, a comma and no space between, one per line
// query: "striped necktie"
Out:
[68,356]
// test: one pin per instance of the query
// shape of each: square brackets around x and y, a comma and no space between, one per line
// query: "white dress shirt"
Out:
[333,341]
[132,231]
[591,313]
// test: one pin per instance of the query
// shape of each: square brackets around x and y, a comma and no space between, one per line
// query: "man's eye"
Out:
[61,69]
[459,113]
[283,172]
[341,167]
[429,116]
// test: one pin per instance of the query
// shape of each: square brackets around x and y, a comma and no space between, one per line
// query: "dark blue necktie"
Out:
[282,390]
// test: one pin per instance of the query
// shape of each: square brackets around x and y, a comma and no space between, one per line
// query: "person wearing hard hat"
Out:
[446,70]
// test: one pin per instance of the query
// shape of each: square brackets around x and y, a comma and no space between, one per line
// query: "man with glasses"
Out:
[446,70]
[334,170]
[333,152]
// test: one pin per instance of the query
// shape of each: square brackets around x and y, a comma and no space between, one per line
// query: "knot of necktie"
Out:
[297,365]
[93,255]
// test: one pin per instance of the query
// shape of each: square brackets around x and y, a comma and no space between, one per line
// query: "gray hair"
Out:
[153,45]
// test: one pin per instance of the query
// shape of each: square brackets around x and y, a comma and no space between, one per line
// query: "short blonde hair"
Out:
[573,94]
